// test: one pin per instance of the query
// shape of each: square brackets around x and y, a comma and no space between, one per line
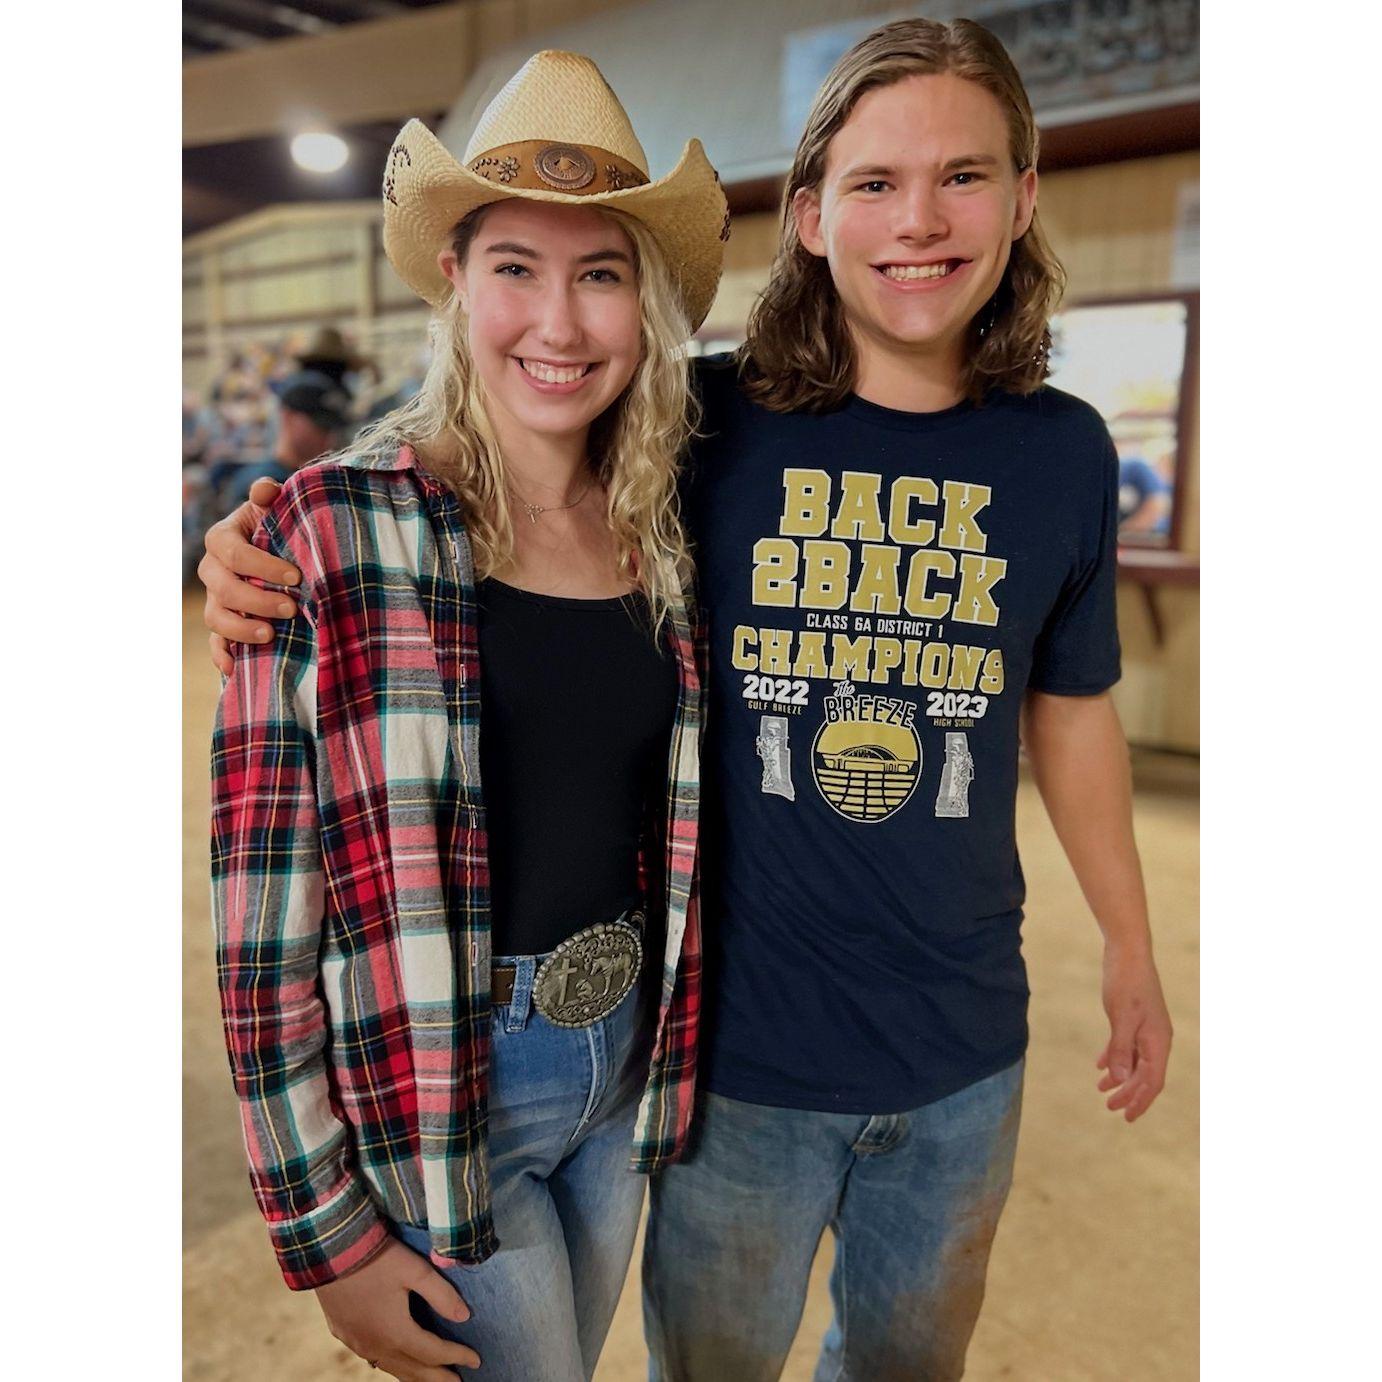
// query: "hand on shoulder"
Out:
[236,610]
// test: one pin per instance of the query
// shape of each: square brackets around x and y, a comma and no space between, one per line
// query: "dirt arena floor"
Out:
[1094,1276]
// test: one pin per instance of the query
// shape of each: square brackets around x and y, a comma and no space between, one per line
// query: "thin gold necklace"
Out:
[532,510]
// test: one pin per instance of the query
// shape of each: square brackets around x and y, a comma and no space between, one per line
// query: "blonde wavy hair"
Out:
[636,444]
[799,353]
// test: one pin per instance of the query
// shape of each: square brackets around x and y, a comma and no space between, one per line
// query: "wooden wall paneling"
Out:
[215,315]
[364,279]
[1113,227]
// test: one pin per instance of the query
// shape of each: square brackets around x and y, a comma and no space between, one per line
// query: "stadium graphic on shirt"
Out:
[865,768]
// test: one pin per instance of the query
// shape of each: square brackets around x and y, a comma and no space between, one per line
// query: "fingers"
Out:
[229,543]
[263,492]
[225,589]
[1136,1095]
[422,1346]
[409,1370]
[408,1351]
[234,627]
[439,1293]
[222,655]
[1120,1052]
[232,603]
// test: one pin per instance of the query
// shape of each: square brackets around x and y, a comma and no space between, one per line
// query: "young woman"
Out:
[455,801]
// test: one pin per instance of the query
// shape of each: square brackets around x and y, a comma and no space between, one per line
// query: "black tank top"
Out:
[576,709]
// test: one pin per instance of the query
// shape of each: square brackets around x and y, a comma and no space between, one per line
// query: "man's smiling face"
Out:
[916,214]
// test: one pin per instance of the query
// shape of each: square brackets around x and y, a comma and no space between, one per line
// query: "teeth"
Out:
[550,375]
[906,271]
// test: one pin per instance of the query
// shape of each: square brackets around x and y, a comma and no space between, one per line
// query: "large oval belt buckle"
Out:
[588,975]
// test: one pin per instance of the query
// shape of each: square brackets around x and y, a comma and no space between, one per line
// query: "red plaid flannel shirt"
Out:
[350,882]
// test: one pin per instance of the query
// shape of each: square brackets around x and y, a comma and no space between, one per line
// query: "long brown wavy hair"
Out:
[799,354]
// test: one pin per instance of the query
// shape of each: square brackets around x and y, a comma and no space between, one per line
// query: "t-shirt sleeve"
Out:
[1077,652]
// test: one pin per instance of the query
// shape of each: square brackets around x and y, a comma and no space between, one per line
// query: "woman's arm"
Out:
[268,909]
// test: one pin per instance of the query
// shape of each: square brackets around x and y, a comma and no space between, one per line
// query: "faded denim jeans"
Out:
[913,1200]
[562,1105]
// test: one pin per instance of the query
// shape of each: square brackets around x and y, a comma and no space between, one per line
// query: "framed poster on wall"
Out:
[1134,360]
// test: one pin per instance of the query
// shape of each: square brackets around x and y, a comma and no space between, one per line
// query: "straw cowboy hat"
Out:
[555,133]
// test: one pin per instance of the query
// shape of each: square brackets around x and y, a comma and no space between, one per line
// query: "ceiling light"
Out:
[319,152]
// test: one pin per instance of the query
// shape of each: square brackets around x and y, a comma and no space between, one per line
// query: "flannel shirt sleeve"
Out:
[268,908]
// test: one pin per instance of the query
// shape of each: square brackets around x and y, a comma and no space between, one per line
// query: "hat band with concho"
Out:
[581,169]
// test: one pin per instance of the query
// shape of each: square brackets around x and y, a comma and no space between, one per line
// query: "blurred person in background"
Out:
[314,416]
[239,422]
[233,429]
[234,449]
[459,953]
[327,351]
[1144,498]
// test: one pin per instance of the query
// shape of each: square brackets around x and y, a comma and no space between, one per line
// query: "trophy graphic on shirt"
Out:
[953,798]
[773,749]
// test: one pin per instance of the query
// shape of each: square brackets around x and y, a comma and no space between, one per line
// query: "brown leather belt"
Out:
[501,979]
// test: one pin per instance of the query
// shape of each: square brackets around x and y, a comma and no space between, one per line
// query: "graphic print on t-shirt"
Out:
[774,749]
[890,596]
[953,798]
[867,756]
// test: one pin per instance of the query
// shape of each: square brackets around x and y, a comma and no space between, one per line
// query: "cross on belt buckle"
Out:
[588,975]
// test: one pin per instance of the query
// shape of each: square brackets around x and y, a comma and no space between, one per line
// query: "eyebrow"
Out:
[964,161]
[524,252]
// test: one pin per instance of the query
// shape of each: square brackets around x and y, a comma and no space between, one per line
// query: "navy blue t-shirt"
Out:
[881,588]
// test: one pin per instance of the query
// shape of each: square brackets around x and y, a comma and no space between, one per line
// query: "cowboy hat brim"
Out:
[427,191]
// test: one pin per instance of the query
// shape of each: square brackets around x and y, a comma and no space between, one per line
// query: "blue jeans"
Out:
[562,1104]
[913,1200]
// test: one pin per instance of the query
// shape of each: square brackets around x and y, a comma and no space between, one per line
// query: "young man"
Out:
[907,554]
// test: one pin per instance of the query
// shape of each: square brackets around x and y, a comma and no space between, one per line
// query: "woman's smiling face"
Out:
[552,313]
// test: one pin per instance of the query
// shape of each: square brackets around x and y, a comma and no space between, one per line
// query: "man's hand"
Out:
[1134,1061]
[368,1312]
[230,598]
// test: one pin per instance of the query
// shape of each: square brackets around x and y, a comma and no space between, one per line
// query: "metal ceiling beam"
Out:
[218,35]
[380,70]
[379,9]
[256,15]
[387,69]
[350,11]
